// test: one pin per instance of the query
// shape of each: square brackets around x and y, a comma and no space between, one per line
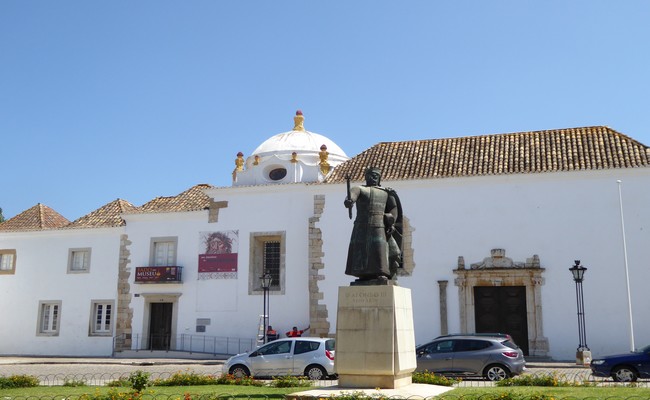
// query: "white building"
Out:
[492,224]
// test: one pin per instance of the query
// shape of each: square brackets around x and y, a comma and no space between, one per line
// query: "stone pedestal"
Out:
[375,341]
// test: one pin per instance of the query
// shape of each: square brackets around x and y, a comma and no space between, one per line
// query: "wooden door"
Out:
[502,309]
[160,326]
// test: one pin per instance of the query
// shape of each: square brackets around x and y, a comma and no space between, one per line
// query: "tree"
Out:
[2,218]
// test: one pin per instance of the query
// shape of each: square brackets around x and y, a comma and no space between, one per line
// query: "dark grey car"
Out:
[494,358]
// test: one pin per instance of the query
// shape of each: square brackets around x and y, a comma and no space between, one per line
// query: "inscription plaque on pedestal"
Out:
[375,341]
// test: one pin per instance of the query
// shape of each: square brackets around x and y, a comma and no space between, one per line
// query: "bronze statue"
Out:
[375,252]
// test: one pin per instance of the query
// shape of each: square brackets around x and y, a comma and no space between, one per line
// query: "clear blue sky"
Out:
[127,99]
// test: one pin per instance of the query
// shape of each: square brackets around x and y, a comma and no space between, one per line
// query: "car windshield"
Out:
[330,344]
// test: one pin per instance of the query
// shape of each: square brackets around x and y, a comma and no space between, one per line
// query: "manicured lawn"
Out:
[182,392]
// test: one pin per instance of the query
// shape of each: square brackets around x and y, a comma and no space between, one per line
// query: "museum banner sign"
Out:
[171,274]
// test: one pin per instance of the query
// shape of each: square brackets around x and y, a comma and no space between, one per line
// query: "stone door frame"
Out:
[529,276]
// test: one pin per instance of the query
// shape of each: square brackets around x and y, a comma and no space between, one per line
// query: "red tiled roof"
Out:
[39,217]
[105,216]
[587,148]
[193,199]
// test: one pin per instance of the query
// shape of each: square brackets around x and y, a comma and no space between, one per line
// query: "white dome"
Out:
[298,141]
[289,157]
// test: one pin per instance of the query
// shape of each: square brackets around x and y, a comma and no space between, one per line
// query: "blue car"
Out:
[623,367]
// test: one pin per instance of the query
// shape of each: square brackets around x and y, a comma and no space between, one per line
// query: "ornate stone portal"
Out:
[499,270]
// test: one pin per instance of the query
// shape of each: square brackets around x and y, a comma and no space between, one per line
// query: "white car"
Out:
[309,356]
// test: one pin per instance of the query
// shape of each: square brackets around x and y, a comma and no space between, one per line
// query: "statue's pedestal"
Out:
[375,342]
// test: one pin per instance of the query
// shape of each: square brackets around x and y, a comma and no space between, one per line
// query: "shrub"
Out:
[122,382]
[186,379]
[229,379]
[290,381]
[359,395]
[432,379]
[247,381]
[139,380]
[514,396]
[534,380]
[74,382]
[18,381]
[113,394]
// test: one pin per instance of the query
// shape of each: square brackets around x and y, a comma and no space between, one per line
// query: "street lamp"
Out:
[266,284]
[583,354]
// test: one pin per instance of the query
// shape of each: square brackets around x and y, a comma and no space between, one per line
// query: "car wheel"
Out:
[239,371]
[496,372]
[315,372]
[624,374]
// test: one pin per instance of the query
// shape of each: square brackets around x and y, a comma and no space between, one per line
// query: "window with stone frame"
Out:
[49,318]
[101,314]
[267,256]
[7,261]
[78,260]
[163,251]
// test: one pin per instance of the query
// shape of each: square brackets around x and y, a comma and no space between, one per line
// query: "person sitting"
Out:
[294,332]
[271,334]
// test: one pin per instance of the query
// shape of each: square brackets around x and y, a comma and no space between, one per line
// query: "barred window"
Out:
[267,256]
[272,262]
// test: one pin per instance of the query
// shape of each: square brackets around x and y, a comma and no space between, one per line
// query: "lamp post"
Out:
[583,354]
[266,284]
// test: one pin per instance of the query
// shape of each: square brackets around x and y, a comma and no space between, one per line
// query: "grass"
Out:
[163,391]
[556,392]
[182,392]
[191,386]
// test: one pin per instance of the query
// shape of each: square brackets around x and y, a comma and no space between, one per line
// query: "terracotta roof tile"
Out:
[108,215]
[587,148]
[193,199]
[39,217]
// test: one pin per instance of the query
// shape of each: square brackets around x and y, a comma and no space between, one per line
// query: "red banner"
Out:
[218,262]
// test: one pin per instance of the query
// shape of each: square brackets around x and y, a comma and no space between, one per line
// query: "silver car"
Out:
[494,358]
[312,357]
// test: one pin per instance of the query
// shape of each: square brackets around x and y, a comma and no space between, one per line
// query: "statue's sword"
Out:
[347,179]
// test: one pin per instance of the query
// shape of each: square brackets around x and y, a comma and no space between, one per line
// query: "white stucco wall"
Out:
[561,217]
[226,302]
[41,274]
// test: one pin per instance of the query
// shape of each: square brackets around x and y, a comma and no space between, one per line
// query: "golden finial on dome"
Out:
[239,162]
[239,165]
[298,120]
[324,165]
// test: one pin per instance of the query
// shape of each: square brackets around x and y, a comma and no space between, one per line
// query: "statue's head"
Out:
[373,176]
